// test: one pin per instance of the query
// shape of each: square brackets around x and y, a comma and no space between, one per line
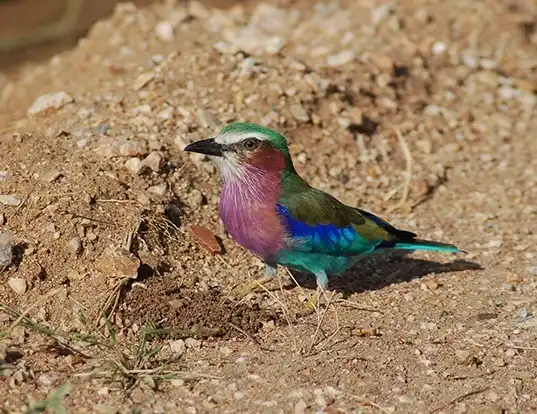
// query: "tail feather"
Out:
[418,244]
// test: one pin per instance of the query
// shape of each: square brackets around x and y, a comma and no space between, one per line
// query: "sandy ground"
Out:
[113,302]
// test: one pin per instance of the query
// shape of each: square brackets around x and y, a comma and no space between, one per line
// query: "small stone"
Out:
[207,120]
[104,391]
[6,250]
[134,165]
[431,284]
[425,145]
[4,175]
[206,238]
[118,262]
[300,407]
[499,362]
[75,245]
[154,161]
[192,343]
[226,351]
[164,31]
[178,347]
[378,14]
[51,176]
[462,356]
[17,284]
[50,101]
[510,353]
[166,113]
[196,198]
[143,80]
[143,199]
[341,58]
[439,48]
[382,62]
[131,148]
[428,326]
[299,113]
[10,200]
[159,189]
[46,379]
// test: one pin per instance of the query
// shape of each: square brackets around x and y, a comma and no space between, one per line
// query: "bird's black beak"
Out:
[206,146]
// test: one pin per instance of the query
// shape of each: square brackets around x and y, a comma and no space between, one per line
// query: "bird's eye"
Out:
[250,144]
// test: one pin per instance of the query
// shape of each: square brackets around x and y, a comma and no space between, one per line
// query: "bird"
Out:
[275,214]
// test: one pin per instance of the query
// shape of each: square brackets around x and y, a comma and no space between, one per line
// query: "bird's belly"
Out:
[315,262]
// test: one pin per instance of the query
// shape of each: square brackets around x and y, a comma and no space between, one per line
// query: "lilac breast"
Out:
[250,216]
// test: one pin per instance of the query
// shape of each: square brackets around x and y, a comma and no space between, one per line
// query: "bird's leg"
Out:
[269,275]
[322,284]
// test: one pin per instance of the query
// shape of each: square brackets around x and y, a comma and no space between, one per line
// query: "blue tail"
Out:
[417,244]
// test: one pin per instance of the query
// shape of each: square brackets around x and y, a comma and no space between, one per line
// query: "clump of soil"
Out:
[196,313]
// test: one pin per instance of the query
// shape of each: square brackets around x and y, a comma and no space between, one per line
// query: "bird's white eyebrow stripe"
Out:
[230,139]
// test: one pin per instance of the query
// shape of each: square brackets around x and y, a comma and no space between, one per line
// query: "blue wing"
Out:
[325,238]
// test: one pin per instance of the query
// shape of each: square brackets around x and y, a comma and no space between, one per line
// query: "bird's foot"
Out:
[313,303]
[240,291]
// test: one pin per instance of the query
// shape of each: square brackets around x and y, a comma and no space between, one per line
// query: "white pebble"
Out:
[439,48]
[6,250]
[341,58]
[164,31]
[178,347]
[50,101]
[75,245]
[10,200]
[17,284]
[159,190]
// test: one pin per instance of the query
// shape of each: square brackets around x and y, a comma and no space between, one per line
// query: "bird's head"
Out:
[241,148]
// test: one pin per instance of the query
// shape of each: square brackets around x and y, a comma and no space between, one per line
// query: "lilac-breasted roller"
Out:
[271,211]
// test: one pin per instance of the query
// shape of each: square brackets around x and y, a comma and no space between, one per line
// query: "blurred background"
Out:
[33,30]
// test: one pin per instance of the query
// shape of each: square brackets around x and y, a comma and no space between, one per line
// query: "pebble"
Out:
[4,175]
[207,119]
[463,356]
[17,284]
[46,379]
[10,200]
[428,326]
[178,347]
[143,80]
[300,407]
[131,148]
[75,245]
[382,62]
[340,58]
[378,14]
[6,250]
[134,165]
[159,189]
[499,362]
[51,176]
[164,31]
[206,239]
[154,161]
[226,351]
[192,343]
[196,198]
[299,113]
[118,262]
[50,101]
[439,48]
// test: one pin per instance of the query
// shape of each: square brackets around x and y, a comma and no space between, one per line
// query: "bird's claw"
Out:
[239,292]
